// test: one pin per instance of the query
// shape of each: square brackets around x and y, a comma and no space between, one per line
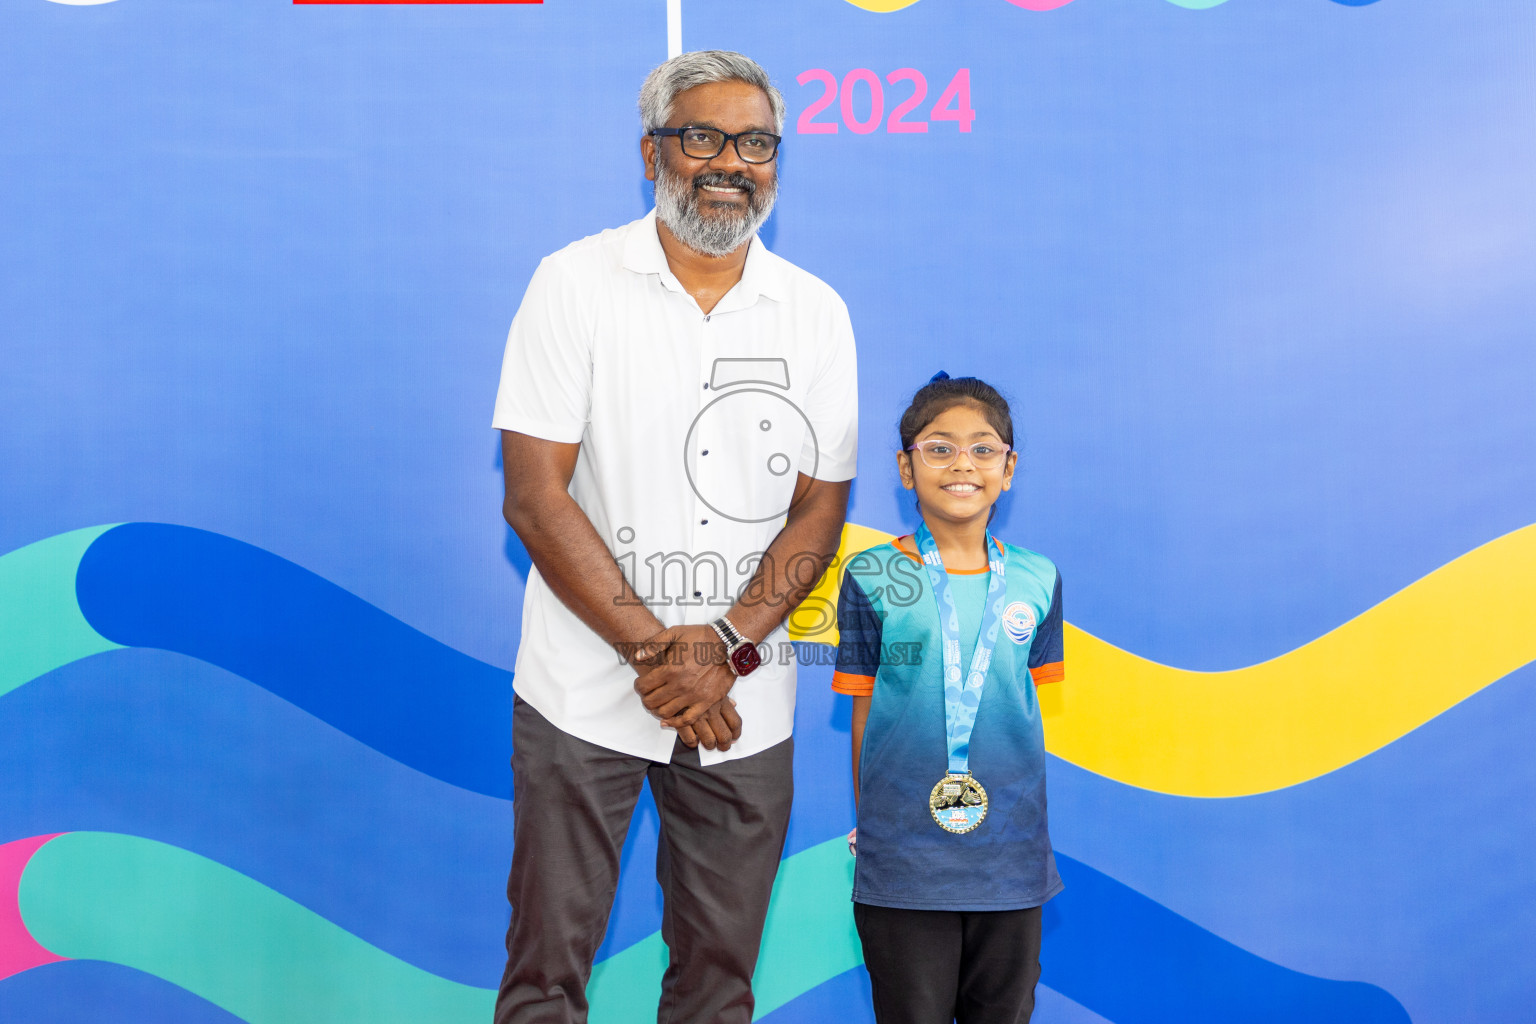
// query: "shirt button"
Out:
[698,593]
[706,318]
[703,522]
[706,385]
[705,452]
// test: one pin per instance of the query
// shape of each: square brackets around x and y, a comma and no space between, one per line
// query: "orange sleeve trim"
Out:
[852,685]
[1055,672]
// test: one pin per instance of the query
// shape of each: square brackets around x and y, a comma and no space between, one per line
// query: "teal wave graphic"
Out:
[41,626]
[268,960]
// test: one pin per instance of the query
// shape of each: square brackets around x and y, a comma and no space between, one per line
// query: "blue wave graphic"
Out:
[828,1001]
[102,993]
[1135,961]
[306,640]
[88,990]
[1372,857]
[237,798]
[155,744]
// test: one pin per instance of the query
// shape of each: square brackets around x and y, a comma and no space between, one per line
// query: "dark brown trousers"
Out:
[722,834]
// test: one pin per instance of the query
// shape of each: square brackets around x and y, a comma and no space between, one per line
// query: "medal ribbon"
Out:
[962,697]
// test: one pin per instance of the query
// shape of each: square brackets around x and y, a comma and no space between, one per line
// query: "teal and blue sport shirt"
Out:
[891,650]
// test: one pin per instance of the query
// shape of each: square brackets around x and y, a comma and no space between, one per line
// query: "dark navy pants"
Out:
[945,966]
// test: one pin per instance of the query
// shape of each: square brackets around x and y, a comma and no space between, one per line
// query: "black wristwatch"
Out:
[740,653]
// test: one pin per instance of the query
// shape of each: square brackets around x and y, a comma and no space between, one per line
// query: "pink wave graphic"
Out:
[19,951]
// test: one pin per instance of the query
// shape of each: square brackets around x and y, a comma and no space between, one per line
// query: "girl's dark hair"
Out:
[945,392]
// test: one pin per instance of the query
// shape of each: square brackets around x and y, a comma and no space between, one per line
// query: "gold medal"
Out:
[958,803]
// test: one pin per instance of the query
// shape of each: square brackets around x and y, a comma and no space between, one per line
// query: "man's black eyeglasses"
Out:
[708,143]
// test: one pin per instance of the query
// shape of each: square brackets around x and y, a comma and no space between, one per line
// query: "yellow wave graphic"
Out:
[815,621]
[1351,691]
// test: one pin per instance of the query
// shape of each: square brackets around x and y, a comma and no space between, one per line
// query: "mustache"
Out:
[722,179]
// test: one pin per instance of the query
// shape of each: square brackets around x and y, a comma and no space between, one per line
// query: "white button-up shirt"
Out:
[693,430]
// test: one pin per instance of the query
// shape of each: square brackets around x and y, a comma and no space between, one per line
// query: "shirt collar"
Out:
[762,275]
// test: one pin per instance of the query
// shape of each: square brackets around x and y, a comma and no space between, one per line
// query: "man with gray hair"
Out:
[678,409]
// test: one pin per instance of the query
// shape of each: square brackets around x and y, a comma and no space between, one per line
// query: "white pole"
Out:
[674,28]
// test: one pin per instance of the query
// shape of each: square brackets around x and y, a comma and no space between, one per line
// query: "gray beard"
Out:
[721,231]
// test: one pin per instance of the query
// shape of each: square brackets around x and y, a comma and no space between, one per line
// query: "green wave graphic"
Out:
[41,627]
[268,960]
[809,937]
[213,931]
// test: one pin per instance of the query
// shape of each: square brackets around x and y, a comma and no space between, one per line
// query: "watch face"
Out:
[745,658]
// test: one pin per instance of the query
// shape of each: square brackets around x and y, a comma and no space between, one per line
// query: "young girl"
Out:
[945,635]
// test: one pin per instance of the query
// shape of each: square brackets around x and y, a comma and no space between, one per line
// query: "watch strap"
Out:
[728,632]
[729,635]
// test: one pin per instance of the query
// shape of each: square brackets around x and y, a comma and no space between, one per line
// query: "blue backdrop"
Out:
[1259,278]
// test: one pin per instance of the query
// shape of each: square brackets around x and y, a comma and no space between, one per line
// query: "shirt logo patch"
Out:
[1019,621]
